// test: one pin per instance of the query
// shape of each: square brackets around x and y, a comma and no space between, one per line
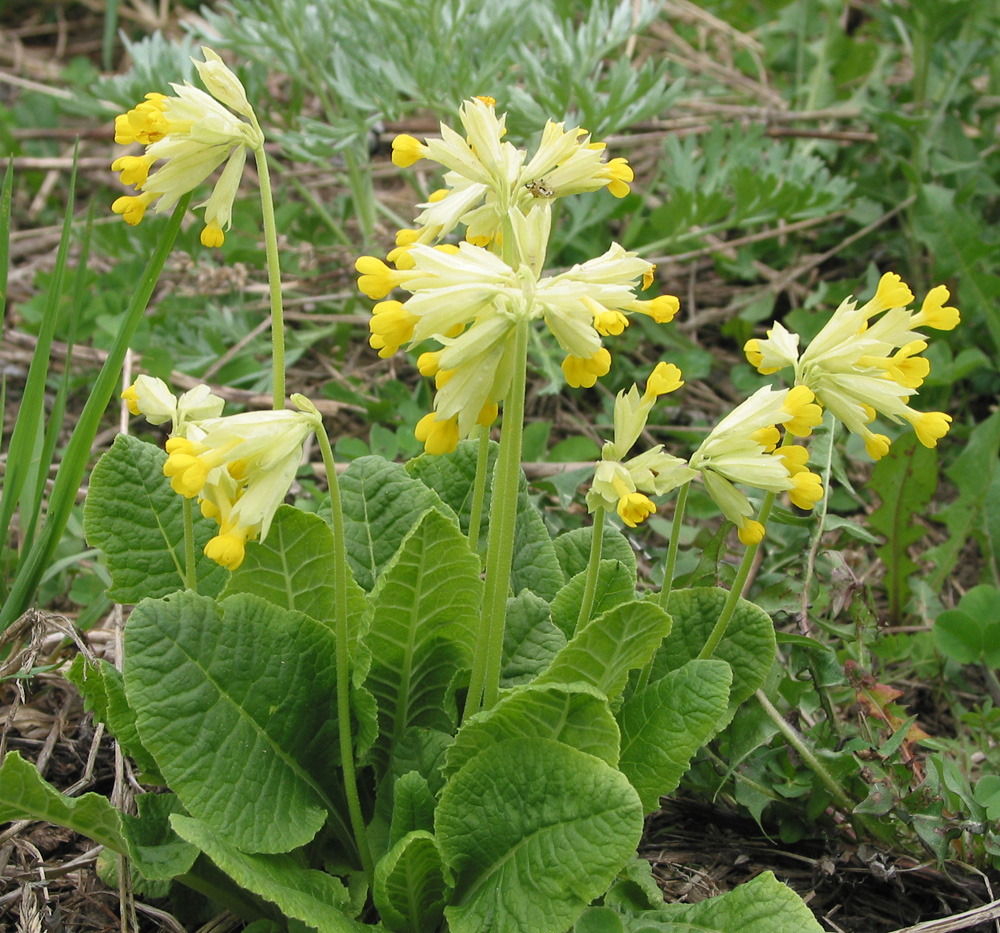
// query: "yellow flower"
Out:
[621,484]
[152,398]
[240,467]
[865,361]
[740,449]
[192,133]
[486,177]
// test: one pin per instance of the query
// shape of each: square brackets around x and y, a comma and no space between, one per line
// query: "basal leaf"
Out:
[412,806]
[615,585]
[293,569]
[574,714]
[314,897]
[236,702]
[423,629]
[664,726]
[382,503]
[573,549]
[26,795]
[535,566]
[410,888]
[763,905]
[155,849]
[530,639]
[136,519]
[607,648]
[533,830]
[748,646]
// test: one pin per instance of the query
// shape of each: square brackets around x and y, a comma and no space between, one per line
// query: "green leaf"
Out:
[236,702]
[971,632]
[664,726]
[535,566]
[423,629]
[599,920]
[314,897]
[615,585]
[504,816]
[763,905]
[412,806]
[530,639]
[136,519]
[293,569]
[26,795]
[904,480]
[748,646]
[573,549]
[103,689]
[382,504]
[607,648]
[410,888]
[574,714]
[155,849]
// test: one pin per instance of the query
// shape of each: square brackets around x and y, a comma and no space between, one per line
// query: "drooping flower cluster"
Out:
[743,448]
[865,361]
[193,133]
[468,300]
[625,484]
[239,467]
[488,177]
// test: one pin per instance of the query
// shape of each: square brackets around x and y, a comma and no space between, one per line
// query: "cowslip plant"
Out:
[354,724]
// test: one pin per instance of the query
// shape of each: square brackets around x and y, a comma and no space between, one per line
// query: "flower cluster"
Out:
[622,483]
[865,361]
[469,300]
[488,177]
[193,133]
[239,467]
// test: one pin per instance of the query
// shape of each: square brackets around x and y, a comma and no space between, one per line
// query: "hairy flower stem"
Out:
[273,278]
[190,575]
[593,567]
[340,578]
[798,742]
[736,591]
[479,488]
[675,534]
[484,686]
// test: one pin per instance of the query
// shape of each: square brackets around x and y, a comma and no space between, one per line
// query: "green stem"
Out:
[484,686]
[190,574]
[675,536]
[77,453]
[340,578]
[479,488]
[798,742]
[273,278]
[593,567]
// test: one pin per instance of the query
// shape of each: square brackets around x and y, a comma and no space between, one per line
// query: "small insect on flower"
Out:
[538,189]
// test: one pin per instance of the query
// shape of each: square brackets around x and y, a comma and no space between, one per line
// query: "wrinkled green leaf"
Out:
[410,889]
[26,795]
[236,702]
[664,726]
[412,807]
[615,585]
[504,816]
[573,549]
[574,714]
[423,629]
[155,849]
[530,639]
[607,648]
[314,897]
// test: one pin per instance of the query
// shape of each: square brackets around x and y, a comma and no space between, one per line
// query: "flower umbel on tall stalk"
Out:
[488,177]
[152,398]
[192,133]
[240,468]
[742,448]
[626,484]
[865,361]
[469,300]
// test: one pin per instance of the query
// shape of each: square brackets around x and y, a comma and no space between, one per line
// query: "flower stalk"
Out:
[593,569]
[273,278]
